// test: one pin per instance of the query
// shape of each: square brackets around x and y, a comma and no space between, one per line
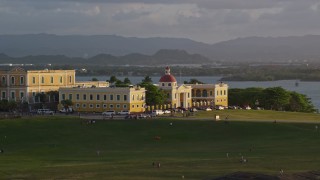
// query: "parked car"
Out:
[64,110]
[45,111]
[208,109]
[166,111]
[109,113]
[219,108]
[143,116]
[157,112]
[193,110]
[124,112]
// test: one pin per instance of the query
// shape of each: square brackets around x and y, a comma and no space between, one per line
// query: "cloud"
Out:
[202,20]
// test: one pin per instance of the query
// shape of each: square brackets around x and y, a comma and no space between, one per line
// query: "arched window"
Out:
[12,80]
[204,93]
[198,93]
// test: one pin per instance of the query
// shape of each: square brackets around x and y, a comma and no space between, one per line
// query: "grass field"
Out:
[66,148]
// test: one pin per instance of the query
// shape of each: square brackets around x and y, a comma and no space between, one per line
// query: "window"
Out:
[70,79]
[42,79]
[3,95]
[60,79]
[124,97]
[13,95]
[21,95]
[70,96]
[137,105]
[162,84]
[91,97]
[21,80]
[63,96]
[224,92]
[77,105]
[111,105]
[142,97]
[111,97]
[98,97]
[118,97]
[90,105]
[97,105]
[3,80]
[118,105]
[217,93]
[104,106]
[138,97]
[210,93]
[51,79]
[84,97]
[84,105]
[33,80]
[132,106]
[33,94]
[105,97]
[12,80]
[169,84]
[124,106]
[78,96]
[188,95]
[132,97]
[220,92]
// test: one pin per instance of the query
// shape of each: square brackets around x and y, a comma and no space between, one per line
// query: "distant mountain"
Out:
[162,57]
[268,48]
[237,50]
[88,46]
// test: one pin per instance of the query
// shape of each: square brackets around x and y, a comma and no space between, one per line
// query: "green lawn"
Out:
[260,115]
[65,148]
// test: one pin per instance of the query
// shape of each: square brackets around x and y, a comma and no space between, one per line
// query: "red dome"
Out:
[168,78]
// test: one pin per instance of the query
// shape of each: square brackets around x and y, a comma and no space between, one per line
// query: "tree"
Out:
[276,98]
[154,95]
[94,79]
[41,97]
[126,81]
[66,104]
[147,79]
[193,81]
[113,79]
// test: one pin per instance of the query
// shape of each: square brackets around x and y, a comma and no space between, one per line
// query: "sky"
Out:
[208,21]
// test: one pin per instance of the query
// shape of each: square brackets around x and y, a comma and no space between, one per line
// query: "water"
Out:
[311,89]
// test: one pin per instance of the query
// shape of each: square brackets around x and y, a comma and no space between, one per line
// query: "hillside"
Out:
[263,49]
[162,57]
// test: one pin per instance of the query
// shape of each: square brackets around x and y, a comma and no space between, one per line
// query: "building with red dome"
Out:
[178,96]
[190,95]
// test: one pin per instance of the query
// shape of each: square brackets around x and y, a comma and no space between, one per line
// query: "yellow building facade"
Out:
[193,95]
[210,94]
[22,85]
[100,99]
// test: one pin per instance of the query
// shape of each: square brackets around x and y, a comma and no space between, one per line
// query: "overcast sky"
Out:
[201,20]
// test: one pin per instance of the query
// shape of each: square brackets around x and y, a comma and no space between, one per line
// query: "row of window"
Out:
[12,95]
[99,97]
[13,80]
[204,93]
[51,79]
[169,84]
[111,106]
